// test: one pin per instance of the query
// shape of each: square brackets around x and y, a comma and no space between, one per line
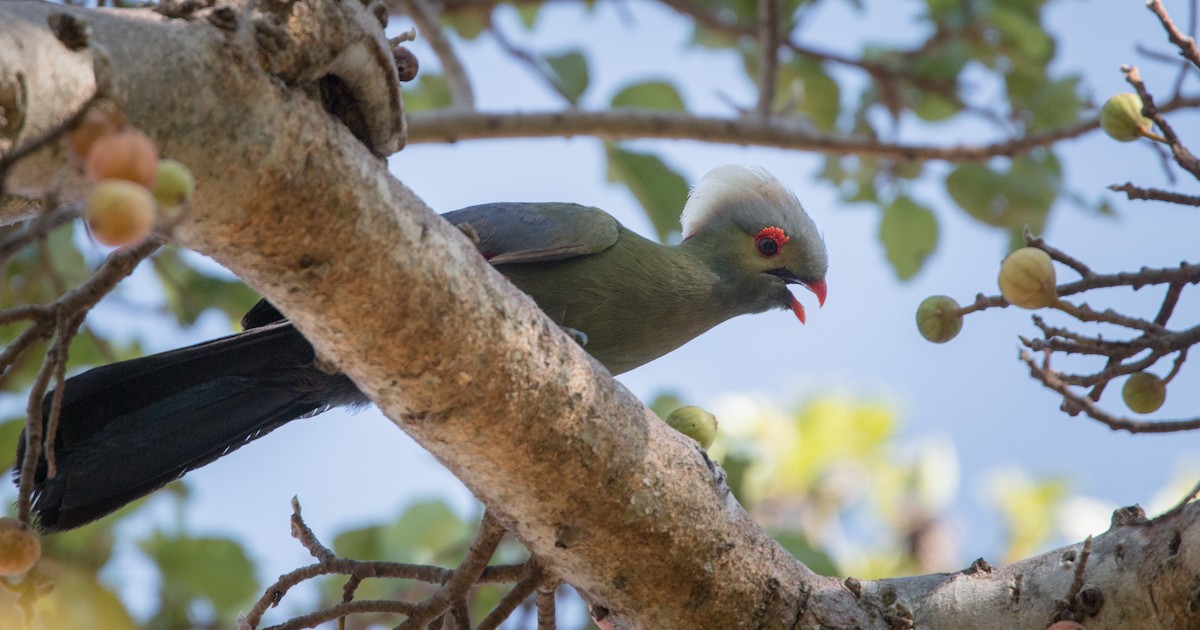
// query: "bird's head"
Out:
[755,233]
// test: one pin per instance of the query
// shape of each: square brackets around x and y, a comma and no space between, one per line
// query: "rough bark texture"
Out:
[613,501]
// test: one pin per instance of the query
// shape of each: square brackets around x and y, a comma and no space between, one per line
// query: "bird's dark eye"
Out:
[769,241]
[767,247]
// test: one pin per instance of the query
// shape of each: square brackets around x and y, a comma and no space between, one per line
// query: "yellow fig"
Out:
[1027,279]
[119,212]
[1144,392]
[938,319]
[19,547]
[695,423]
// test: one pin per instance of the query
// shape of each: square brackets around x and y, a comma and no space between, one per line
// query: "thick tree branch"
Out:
[605,495]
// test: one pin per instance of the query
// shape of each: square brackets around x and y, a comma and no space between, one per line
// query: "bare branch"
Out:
[1051,379]
[1154,194]
[1186,45]
[486,540]
[363,606]
[512,599]
[1183,157]
[768,55]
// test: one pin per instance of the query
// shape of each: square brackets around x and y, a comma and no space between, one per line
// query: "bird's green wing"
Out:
[508,233]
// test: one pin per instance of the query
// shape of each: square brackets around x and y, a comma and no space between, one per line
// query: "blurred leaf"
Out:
[943,61]
[649,95]
[1054,104]
[571,69]
[661,191]
[736,466]
[909,233]
[1011,200]
[1024,36]
[1029,509]
[797,544]
[10,433]
[190,292]
[426,530]
[528,14]
[430,92]
[662,405]
[821,95]
[78,600]
[214,570]
[86,548]
[705,37]
[933,107]
[468,21]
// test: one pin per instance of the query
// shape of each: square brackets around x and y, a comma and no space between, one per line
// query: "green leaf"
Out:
[661,191]
[1024,36]
[821,95]
[528,14]
[1010,200]
[190,292]
[430,92]
[797,544]
[571,70]
[662,405]
[468,22]
[649,95]
[1054,104]
[10,432]
[705,37]
[426,531]
[934,107]
[909,233]
[214,570]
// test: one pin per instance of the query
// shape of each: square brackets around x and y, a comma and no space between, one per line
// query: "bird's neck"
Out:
[711,251]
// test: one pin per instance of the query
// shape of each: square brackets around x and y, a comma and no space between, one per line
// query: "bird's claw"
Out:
[579,336]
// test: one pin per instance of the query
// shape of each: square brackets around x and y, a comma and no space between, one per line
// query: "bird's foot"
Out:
[579,336]
[469,232]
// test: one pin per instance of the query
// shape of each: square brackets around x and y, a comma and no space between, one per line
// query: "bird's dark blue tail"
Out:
[128,428]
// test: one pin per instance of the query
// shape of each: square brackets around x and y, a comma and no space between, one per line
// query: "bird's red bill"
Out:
[818,288]
[798,309]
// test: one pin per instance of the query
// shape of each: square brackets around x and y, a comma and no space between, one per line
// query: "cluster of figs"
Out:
[1027,277]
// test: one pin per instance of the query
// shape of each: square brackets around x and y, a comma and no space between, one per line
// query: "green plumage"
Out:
[635,299]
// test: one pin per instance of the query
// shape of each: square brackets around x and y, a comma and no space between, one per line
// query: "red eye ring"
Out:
[769,241]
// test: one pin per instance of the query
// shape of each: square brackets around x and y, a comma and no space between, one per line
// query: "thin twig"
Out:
[1174,290]
[302,533]
[1183,157]
[67,328]
[1186,45]
[467,574]
[768,55]
[1155,194]
[362,606]
[33,440]
[1182,504]
[37,227]
[1051,379]
[787,133]
[520,591]
[546,616]
[1057,254]
[535,63]
[462,95]
[1067,608]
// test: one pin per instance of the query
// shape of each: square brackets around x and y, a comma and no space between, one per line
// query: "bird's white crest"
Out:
[746,185]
